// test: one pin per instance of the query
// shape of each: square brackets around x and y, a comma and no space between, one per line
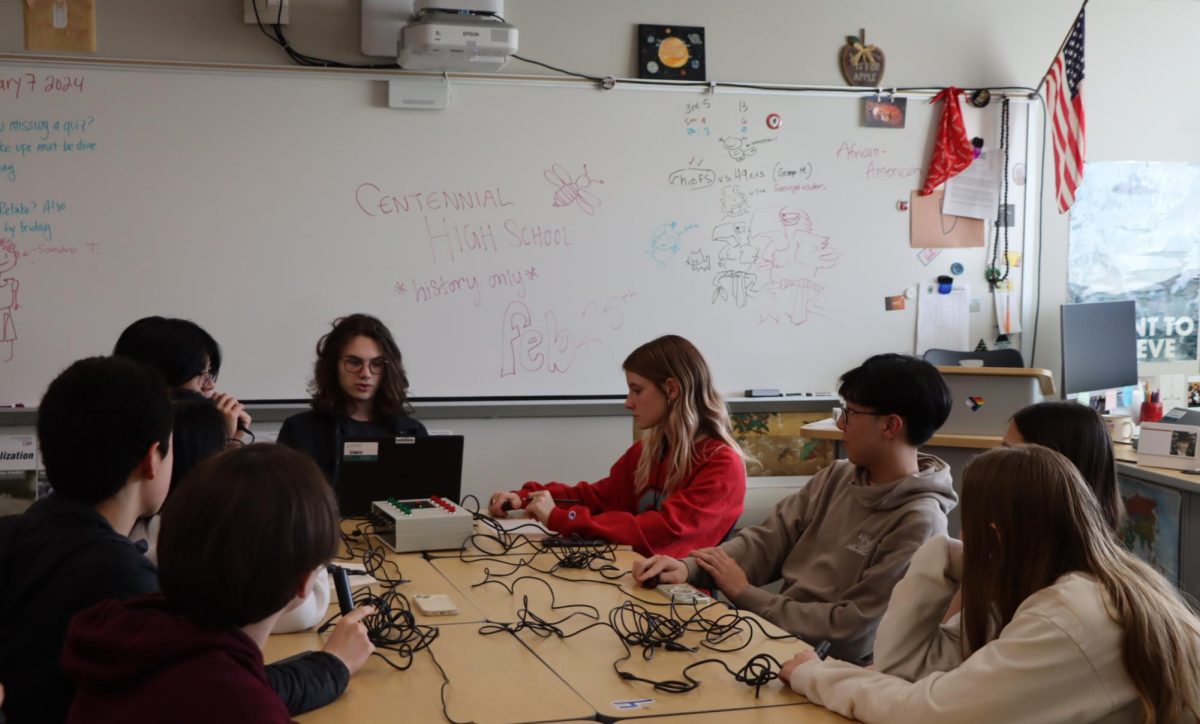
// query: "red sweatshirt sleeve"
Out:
[703,508]
[612,492]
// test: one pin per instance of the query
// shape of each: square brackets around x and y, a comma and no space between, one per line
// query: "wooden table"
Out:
[585,660]
[792,714]
[481,541]
[493,680]
[420,578]
[499,605]
[504,677]
[423,578]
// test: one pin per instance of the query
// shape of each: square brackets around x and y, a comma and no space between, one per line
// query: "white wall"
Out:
[1141,99]
[1141,103]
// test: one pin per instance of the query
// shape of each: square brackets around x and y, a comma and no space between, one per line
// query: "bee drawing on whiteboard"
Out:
[573,190]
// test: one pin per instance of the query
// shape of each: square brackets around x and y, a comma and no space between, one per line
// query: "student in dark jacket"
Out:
[194,653]
[104,427]
[359,389]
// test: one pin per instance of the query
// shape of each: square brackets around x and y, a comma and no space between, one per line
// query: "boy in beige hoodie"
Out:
[842,541]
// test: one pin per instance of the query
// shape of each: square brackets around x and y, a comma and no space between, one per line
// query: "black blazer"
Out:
[320,434]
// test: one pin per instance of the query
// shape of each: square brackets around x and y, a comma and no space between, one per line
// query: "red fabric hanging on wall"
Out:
[952,151]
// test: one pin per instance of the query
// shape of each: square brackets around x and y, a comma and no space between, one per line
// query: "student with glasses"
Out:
[359,389]
[841,542]
[189,360]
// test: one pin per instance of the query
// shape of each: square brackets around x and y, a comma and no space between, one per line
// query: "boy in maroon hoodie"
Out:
[245,535]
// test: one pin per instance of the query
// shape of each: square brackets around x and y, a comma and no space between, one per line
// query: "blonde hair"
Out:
[696,413]
[1009,492]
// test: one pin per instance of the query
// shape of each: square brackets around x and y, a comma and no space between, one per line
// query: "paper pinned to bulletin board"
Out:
[929,227]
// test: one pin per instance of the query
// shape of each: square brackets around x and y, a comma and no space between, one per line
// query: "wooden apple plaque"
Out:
[862,64]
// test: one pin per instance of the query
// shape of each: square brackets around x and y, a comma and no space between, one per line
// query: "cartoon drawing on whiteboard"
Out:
[790,256]
[733,202]
[734,286]
[737,148]
[8,297]
[736,251]
[573,190]
[701,262]
[665,244]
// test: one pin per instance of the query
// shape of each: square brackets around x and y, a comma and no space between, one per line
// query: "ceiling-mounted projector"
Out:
[439,35]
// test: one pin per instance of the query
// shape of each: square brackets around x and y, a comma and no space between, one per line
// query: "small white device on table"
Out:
[422,524]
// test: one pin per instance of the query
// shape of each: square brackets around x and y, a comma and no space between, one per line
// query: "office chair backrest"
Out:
[989,358]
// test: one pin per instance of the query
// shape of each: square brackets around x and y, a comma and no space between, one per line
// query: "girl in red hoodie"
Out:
[241,538]
[682,486]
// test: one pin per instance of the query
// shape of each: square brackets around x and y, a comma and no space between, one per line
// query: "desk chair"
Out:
[990,358]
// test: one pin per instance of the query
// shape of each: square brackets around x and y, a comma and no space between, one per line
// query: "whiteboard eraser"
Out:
[763,392]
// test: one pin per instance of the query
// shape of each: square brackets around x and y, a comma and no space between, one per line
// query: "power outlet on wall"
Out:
[269,11]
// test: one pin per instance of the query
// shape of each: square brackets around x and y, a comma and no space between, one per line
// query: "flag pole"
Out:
[1061,45]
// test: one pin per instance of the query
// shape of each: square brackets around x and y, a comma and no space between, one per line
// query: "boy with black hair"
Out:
[170,653]
[104,427]
[843,541]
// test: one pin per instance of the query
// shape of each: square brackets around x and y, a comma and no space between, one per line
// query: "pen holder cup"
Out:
[1152,411]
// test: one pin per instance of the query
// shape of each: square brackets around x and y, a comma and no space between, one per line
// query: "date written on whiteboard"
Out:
[14,86]
[547,341]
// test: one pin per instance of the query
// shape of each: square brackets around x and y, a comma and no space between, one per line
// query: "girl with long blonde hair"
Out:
[683,483]
[1059,621]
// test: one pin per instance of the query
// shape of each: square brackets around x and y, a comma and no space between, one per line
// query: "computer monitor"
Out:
[1099,346]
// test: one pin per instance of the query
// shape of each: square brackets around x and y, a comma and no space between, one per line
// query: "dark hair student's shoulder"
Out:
[96,421]
[178,348]
[901,385]
[242,531]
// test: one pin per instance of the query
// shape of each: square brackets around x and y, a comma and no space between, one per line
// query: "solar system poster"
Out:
[670,52]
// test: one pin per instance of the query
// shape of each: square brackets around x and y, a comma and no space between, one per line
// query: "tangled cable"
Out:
[361,548]
[392,627]
[637,626]
[634,624]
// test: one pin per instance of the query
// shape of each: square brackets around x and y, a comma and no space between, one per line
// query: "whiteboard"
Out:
[522,242]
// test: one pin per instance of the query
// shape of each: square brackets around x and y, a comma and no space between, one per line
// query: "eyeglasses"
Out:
[207,378]
[841,415]
[354,365]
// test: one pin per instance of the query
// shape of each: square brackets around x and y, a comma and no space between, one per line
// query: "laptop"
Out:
[373,468]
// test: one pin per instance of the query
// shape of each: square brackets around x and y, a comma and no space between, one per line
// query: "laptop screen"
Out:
[373,469]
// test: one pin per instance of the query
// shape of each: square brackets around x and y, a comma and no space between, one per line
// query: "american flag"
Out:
[1064,93]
